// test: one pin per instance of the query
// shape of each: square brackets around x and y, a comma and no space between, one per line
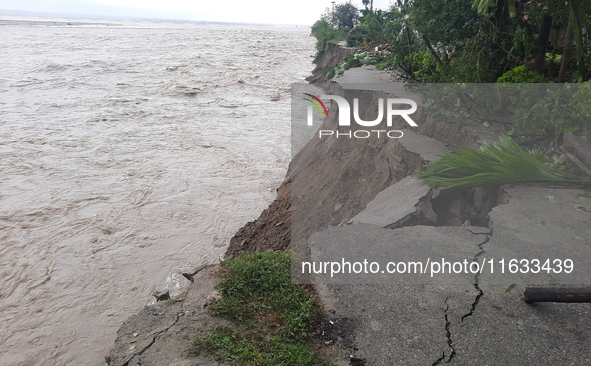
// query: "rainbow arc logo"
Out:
[316,104]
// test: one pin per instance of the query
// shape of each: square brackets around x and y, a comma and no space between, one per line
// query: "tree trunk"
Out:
[568,50]
[408,36]
[575,8]
[545,29]
[432,51]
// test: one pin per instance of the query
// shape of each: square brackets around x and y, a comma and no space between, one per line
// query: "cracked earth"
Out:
[452,351]
[162,333]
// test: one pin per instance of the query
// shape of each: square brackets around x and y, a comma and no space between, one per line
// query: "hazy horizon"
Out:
[304,12]
[102,17]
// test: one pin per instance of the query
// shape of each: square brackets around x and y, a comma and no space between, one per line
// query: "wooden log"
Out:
[567,54]
[556,294]
[577,162]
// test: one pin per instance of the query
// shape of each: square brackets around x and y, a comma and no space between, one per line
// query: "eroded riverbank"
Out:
[412,324]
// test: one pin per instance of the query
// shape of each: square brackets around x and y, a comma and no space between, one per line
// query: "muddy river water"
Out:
[129,154]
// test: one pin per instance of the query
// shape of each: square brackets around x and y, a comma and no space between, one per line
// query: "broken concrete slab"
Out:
[363,75]
[408,198]
[505,330]
[394,324]
[397,203]
[542,234]
[428,148]
[367,77]
[544,224]
[436,325]
[368,254]
[479,324]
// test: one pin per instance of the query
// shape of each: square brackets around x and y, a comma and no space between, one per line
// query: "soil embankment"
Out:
[334,54]
[335,189]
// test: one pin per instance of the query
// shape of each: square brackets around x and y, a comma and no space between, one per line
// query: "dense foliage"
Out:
[334,25]
[325,33]
[484,41]
[473,41]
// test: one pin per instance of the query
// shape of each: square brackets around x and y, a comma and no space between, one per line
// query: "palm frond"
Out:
[496,164]
[481,6]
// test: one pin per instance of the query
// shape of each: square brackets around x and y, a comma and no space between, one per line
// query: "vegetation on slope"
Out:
[472,41]
[272,316]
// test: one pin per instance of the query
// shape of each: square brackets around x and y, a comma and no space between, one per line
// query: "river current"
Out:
[129,153]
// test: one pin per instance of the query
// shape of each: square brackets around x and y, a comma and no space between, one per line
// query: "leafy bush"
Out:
[326,34]
[350,61]
[425,63]
[378,26]
[359,35]
[579,109]
[521,75]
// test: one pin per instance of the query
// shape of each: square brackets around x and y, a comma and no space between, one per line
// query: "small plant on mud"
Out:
[272,316]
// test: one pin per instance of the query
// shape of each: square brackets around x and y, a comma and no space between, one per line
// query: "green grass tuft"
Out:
[272,316]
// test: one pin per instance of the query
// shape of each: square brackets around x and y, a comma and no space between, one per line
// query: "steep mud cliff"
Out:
[336,178]
[333,55]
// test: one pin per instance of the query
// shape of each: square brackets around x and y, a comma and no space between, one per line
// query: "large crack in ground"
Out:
[477,275]
[477,256]
[452,354]
[449,340]
[139,354]
[452,207]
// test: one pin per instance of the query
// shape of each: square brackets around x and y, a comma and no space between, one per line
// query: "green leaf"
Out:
[496,164]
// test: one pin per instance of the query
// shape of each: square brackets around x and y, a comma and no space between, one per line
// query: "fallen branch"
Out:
[432,51]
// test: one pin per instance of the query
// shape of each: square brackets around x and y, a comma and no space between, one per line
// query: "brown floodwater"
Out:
[129,154]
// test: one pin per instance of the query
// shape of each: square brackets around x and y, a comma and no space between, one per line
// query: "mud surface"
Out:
[271,231]
[334,55]
[163,333]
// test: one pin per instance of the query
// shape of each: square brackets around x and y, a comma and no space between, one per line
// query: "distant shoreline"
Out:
[50,23]
[23,13]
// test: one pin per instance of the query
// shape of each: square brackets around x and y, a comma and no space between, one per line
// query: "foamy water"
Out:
[128,155]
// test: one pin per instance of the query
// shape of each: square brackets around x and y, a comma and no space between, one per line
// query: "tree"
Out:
[444,21]
[328,17]
[365,3]
[346,15]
